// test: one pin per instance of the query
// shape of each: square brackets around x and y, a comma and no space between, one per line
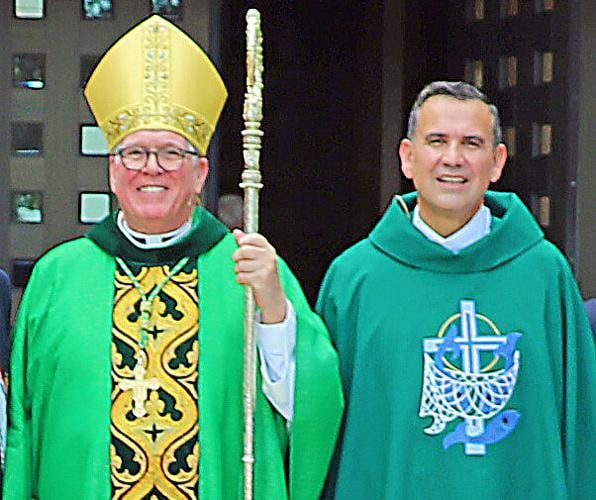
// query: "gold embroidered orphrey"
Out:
[155,451]
[156,100]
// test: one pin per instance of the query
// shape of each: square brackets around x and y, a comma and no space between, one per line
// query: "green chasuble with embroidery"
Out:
[467,376]
[61,442]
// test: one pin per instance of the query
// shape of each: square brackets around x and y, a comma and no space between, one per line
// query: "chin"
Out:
[459,209]
[151,221]
[151,216]
[457,201]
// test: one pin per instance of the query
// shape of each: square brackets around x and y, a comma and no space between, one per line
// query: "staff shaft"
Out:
[251,184]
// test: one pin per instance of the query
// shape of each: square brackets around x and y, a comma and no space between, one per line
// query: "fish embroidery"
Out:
[498,428]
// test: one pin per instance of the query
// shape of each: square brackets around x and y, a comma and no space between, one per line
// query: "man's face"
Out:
[452,160]
[154,200]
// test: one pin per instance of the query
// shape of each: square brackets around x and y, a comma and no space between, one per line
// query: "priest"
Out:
[464,348]
[128,350]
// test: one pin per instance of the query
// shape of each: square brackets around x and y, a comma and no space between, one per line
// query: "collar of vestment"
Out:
[513,232]
[205,233]
[151,241]
[471,232]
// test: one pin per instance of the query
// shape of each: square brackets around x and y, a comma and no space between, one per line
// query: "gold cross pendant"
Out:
[139,386]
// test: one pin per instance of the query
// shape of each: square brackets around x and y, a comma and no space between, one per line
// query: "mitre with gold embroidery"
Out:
[156,78]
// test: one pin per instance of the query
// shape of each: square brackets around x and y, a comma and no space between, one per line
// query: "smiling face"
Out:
[153,200]
[452,160]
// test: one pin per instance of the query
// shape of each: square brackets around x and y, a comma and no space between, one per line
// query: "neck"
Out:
[445,224]
[153,240]
[149,228]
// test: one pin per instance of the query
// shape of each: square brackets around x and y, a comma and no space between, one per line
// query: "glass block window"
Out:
[509,8]
[540,205]
[171,9]
[474,72]
[543,67]
[93,207]
[98,9]
[27,207]
[546,134]
[92,142]
[507,72]
[26,139]
[29,9]
[544,5]
[509,138]
[541,139]
[475,10]
[88,63]
[29,71]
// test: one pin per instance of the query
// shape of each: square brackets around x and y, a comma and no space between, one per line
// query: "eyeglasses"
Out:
[135,158]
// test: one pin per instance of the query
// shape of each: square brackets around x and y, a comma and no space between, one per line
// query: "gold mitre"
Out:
[156,78]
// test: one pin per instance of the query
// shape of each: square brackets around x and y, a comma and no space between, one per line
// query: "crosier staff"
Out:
[251,184]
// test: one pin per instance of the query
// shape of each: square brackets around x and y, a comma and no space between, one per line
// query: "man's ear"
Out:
[406,153]
[202,172]
[500,157]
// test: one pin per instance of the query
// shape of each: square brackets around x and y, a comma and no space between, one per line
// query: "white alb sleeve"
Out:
[277,345]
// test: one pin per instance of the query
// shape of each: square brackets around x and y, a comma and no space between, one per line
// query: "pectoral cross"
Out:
[140,387]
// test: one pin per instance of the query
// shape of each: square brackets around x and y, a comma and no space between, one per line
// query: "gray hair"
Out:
[459,90]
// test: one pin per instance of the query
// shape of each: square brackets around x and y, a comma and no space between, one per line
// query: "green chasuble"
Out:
[466,376]
[62,388]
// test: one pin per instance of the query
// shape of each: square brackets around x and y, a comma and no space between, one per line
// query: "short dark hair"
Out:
[458,90]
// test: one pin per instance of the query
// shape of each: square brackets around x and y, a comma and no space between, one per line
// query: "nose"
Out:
[152,167]
[452,155]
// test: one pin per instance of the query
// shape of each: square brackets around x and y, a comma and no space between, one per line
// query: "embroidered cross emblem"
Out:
[473,392]
[154,432]
[154,332]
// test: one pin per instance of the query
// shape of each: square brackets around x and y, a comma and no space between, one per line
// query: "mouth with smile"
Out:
[151,189]
[452,179]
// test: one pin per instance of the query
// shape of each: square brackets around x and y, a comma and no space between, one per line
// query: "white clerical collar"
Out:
[474,230]
[151,241]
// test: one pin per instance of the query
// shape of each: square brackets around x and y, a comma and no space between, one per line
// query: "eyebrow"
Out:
[440,135]
[478,138]
[434,135]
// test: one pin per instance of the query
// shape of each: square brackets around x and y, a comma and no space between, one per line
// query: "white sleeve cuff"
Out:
[277,344]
